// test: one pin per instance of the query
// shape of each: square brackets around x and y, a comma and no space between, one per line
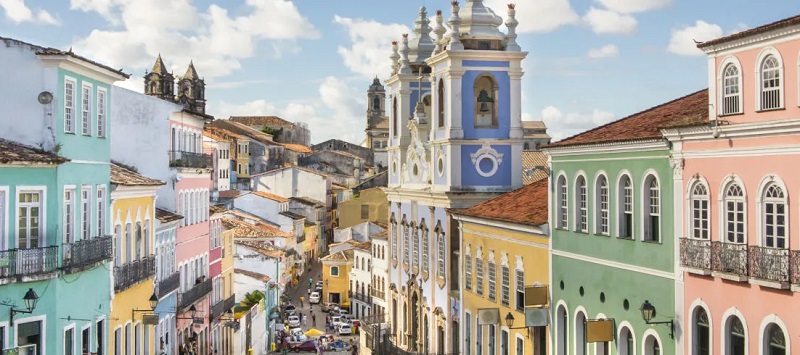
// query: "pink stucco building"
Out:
[736,179]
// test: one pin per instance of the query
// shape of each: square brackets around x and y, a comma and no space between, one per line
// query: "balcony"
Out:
[222,306]
[696,255]
[83,253]
[18,263]
[168,284]
[198,291]
[769,266]
[378,294]
[134,272]
[361,297]
[729,261]
[179,159]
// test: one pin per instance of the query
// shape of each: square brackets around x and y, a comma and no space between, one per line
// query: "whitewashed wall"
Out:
[292,182]
[24,119]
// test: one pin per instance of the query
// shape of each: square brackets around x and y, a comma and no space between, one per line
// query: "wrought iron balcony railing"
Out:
[198,291]
[770,264]
[222,306]
[361,297]
[28,262]
[86,252]
[695,253]
[179,159]
[729,258]
[168,284]
[378,294]
[134,272]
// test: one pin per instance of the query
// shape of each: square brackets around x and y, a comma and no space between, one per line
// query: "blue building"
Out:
[455,140]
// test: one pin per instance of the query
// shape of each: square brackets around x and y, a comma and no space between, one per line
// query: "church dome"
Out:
[480,22]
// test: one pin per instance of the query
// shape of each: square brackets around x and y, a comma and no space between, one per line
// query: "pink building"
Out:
[736,179]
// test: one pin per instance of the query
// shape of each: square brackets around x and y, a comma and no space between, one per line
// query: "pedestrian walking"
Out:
[304,319]
[301,300]
[314,318]
[310,282]
[355,350]
[309,291]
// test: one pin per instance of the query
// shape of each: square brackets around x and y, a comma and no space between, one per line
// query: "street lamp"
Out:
[153,301]
[510,324]
[30,299]
[649,312]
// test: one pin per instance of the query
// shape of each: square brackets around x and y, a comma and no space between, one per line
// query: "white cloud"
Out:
[683,40]
[561,125]
[607,51]
[609,22]
[370,45]
[18,12]
[214,39]
[632,6]
[536,16]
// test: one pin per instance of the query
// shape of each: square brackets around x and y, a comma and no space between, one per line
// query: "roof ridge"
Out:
[789,21]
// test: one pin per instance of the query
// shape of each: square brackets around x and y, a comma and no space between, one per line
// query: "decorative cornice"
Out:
[610,147]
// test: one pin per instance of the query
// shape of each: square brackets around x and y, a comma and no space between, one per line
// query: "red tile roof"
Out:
[791,21]
[17,153]
[255,275]
[270,196]
[166,216]
[689,110]
[526,205]
[126,177]
[262,121]
[299,148]
[531,159]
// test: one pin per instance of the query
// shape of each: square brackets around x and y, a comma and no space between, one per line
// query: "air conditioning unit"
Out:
[488,316]
[537,317]
[536,296]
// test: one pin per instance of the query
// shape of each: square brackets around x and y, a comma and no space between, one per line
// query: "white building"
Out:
[220,150]
[361,232]
[361,281]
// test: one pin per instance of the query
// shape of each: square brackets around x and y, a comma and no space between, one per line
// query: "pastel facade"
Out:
[336,277]
[738,251]
[370,205]
[54,212]
[222,296]
[167,280]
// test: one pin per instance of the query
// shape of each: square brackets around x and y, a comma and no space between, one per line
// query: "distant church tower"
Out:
[159,82]
[192,91]
[377,123]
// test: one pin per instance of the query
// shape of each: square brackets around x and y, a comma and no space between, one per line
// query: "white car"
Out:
[294,321]
[314,298]
[336,321]
[345,329]
[344,313]
[298,335]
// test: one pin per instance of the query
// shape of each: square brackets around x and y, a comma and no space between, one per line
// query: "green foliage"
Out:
[272,131]
[251,299]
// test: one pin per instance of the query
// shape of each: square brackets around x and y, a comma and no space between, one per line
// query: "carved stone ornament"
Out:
[416,168]
[486,160]
[677,167]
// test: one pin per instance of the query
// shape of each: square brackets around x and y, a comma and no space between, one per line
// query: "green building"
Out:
[613,244]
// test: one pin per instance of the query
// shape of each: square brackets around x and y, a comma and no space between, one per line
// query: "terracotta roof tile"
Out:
[262,121]
[255,275]
[308,201]
[244,130]
[125,177]
[263,248]
[299,148]
[17,153]
[346,255]
[166,216]
[58,52]
[791,21]
[270,196]
[530,160]
[526,205]
[688,110]
[242,229]
[533,125]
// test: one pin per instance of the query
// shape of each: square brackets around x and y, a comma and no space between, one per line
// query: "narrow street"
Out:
[301,290]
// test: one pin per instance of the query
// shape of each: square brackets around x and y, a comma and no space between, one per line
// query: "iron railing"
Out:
[794,260]
[222,306]
[695,253]
[729,258]
[168,284]
[361,297]
[770,264]
[134,272]
[378,294]
[181,159]
[28,262]
[198,291]
[86,252]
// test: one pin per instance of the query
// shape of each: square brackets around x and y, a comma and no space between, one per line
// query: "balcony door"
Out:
[29,213]
[29,338]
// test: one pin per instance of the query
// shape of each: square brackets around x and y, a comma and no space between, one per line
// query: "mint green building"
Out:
[54,204]
[613,242]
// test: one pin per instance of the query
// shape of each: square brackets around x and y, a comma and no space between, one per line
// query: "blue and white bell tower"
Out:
[454,107]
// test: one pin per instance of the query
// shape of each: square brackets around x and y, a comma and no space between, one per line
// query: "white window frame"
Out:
[334,267]
[86,212]
[86,108]
[42,204]
[491,279]
[69,214]
[625,205]
[602,204]
[519,288]
[4,204]
[415,247]
[478,275]
[441,254]
[562,198]
[699,211]
[725,212]
[651,207]
[775,201]
[723,84]
[102,112]
[581,204]
[762,57]
[69,327]
[468,272]
[406,243]
[425,254]
[101,210]
[505,285]
[70,85]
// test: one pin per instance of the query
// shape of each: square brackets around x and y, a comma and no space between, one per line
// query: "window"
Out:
[128,243]
[775,340]
[467,334]
[441,251]
[426,257]
[485,96]
[118,341]
[505,285]
[334,271]
[440,102]
[101,210]
[479,338]
[581,222]
[653,210]
[770,83]
[491,342]
[735,336]
[395,118]
[699,211]
[86,212]
[479,276]
[137,342]
[69,341]
[138,247]
[651,346]
[774,217]
[562,202]
[492,281]
[468,273]
[504,342]
[29,215]
[101,113]
[625,205]
[519,283]
[415,247]
[731,95]
[702,334]
[86,110]
[626,344]
[601,208]
[69,216]
[3,223]
[69,106]
[128,339]
[734,214]
[520,346]
[406,244]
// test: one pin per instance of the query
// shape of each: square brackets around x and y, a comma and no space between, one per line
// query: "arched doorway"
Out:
[394,317]
[440,336]
[580,334]
[414,322]
[455,337]
[561,331]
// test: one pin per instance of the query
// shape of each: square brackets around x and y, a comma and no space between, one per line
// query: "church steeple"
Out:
[191,91]
[159,82]
[191,72]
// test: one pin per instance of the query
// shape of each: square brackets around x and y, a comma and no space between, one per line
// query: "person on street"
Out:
[309,291]
[301,300]
[304,318]
[355,350]
[285,348]
[314,318]
[310,282]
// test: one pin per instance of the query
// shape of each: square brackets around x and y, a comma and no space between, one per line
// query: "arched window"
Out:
[652,205]
[425,254]
[582,218]
[701,338]
[774,340]
[395,235]
[440,103]
[580,333]
[626,345]
[770,83]
[699,211]
[731,96]
[395,118]
[485,91]
[735,336]
[376,103]
[415,247]
[774,217]
[601,208]
[468,271]
[652,346]
[562,332]
[479,275]
[734,214]
[406,243]
[625,207]
[562,221]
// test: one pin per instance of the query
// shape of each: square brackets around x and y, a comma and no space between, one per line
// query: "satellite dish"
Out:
[45,97]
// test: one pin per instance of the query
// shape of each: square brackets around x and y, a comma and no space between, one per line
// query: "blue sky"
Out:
[589,62]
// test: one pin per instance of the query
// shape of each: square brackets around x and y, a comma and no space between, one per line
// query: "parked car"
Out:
[308,345]
[297,335]
[319,284]
[336,321]
[294,321]
[338,345]
[344,313]
[328,306]
[345,329]
[314,298]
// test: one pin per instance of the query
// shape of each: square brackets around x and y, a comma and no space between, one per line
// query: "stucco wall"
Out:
[292,182]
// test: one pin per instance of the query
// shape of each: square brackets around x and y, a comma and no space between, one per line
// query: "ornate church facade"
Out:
[455,140]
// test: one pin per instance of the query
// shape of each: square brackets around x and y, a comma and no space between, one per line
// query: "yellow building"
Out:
[133,199]
[370,205]
[228,294]
[336,277]
[505,268]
